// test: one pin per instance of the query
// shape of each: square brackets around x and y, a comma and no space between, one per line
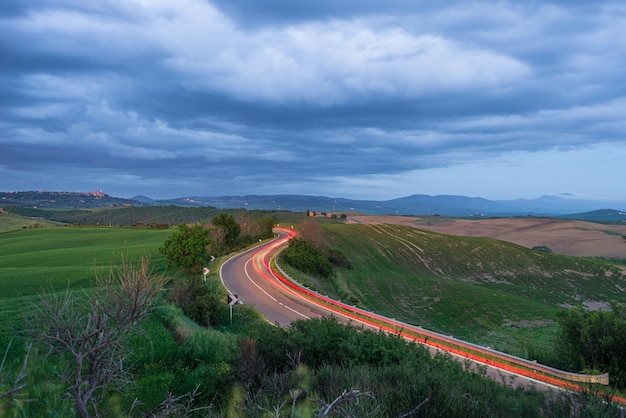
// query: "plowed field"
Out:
[576,238]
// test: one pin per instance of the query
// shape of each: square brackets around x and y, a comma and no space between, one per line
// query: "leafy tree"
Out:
[187,247]
[594,340]
[265,226]
[225,233]
[542,248]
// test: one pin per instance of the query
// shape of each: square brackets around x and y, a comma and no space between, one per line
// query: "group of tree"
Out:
[594,341]
[191,247]
[149,216]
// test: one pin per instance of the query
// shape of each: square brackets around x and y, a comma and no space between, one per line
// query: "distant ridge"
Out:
[143,199]
[417,204]
[606,215]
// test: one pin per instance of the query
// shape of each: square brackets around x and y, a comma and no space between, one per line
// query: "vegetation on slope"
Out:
[487,291]
[12,222]
[241,370]
[155,216]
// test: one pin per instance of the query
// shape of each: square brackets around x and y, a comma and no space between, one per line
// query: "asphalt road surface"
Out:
[246,276]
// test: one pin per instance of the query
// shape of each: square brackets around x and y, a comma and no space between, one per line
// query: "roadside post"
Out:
[232,299]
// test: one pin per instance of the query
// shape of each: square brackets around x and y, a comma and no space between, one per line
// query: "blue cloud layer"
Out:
[351,97]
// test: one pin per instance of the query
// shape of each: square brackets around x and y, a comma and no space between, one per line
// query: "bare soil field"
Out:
[576,238]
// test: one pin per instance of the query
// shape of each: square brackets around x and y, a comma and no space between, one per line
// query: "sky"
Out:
[361,99]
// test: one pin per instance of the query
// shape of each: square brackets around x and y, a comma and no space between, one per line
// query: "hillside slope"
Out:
[486,290]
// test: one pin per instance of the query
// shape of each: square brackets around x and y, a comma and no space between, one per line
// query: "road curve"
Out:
[246,276]
[249,276]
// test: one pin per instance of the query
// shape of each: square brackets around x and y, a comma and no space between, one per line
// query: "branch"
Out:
[346,396]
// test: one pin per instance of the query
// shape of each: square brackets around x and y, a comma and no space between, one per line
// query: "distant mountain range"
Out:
[564,205]
[444,205]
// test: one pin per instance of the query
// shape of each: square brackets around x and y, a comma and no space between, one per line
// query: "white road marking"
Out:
[296,312]
[256,284]
[270,296]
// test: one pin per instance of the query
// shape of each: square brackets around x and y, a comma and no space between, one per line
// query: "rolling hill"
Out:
[481,289]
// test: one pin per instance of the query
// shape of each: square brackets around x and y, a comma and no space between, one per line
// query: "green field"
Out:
[33,260]
[484,290]
[12,222]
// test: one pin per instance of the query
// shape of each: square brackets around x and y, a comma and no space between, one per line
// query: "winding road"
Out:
[249,276]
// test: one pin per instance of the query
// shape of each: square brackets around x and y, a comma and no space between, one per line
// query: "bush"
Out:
[199,302]
[594,340]
[305,257]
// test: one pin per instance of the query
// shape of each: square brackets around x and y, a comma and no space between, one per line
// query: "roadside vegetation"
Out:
[182,357]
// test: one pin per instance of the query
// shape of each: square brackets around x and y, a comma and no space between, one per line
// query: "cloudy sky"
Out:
[343,98]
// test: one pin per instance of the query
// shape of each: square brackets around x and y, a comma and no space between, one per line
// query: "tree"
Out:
[89,337]
[265,226]
[225,233]
[310,231]
[187,247]
[594,340]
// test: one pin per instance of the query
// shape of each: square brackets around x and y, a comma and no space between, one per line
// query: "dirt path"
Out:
[577,238]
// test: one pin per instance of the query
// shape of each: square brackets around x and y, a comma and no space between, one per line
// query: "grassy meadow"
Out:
[12,222]
[32,260]
[480,289]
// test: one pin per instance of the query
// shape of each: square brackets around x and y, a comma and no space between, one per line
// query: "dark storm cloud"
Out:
[206,97]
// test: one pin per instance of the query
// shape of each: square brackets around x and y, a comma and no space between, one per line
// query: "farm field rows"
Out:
[567,237]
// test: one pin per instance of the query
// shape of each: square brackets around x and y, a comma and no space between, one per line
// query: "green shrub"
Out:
[200,301]
[306,258]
